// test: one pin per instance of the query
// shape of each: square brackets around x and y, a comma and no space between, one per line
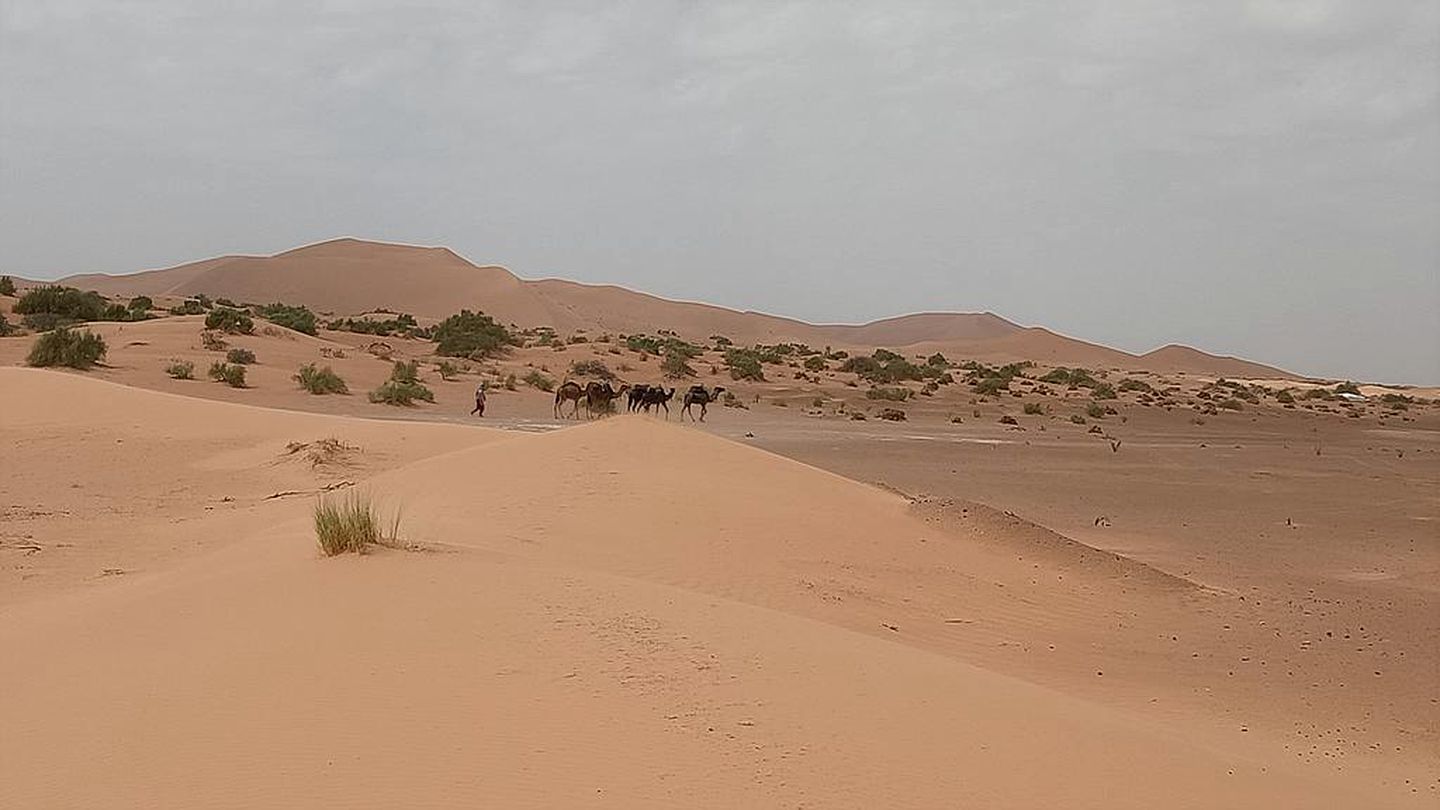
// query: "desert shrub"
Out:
[351,524]
[471,334]
[320,380]
[510,382]
[1346,387]
[5,328]
[447,369]
[232,375]
[1007,419]
[891,414]
[67,304]
[729,400]
[212,341]
[67,347]
[403,387]
[141,303]
[7,285]
[1284,397]
[889,394]
[535,379]
[815,363]
[883,367]
[1131,384]
[1077,419]
[230,321]
[188,307]
[591,368]
[1232,405]
[674,366]
[744,364]
[298,318]
[403,324]
[243,357]
[1033,409]
[1095,411]
[181,370]
[1073,377]
[937,360]
[1103,391]
[991,386]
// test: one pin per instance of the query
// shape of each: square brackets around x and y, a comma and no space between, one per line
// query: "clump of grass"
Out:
[181,370]
[212,342]
[1095,411]
[1033,409]
[888,393]
[535,379]
[447,370]
[403,387]
[243,357]
[1232,405]
[320,380]
[231,321]
[66,347]
[351,524]
[231,375]
[591,368]
[509,382]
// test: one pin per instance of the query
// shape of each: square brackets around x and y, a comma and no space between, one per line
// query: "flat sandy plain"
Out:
[784,607]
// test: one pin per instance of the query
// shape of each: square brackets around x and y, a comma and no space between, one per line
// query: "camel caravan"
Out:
[598,398]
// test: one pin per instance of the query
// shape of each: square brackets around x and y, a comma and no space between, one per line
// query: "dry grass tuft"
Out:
[351,523]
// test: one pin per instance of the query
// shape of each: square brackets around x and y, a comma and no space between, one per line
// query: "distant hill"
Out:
[349,276]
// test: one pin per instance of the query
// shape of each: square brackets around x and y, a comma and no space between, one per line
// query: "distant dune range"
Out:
[350,276]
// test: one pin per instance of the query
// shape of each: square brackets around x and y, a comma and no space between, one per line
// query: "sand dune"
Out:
[626,614]
[350,276]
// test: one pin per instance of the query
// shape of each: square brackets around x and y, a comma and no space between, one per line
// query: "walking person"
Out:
[479,400]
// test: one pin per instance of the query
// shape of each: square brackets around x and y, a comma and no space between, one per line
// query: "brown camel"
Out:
[568,392]
[702,396]
[600,396]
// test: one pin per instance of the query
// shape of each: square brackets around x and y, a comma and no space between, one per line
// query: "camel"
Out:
[656,395]
[637,397]
[571,392]
[702,396]
[599,396]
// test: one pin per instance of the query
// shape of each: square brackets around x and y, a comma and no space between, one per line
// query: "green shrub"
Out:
[744,364]
[510,382]
[1232,405]
[1077,419]
[1033,409]
[1284,397]
[181,370]
[591,368]
[403,387]
[7,285]
[318,380]
[66,347]
[890,394]
[1103,391]
[447,369]
[351,524]
[674,366]
[5,328]
[937,360]
[230,321]
[189,307]
[991,386]
[1346,387]
[298,318]
[535,379]
[231,375]
[141,304]
[815,363]
[67,304]
[1095,411]
[1131,384]
[243,357]
[470,334]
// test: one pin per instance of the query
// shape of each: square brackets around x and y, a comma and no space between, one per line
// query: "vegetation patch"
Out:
[403,387]
[240,356]
[351,524]
[320,380]
[7,286]
[1033,409]
[674,366]
[230,321]
[404,325]
[591,368]
[890,394]
[67,347]
[535,379]
[298,318]
[744,364]
[471,334]
[232,374]
[181,370]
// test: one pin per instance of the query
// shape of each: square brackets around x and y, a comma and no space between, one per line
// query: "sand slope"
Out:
[350,276]
[622,614]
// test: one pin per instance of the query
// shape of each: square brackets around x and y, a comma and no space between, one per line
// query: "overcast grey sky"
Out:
[1255,178]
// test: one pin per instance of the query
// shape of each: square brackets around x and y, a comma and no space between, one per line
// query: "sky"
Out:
[1252,178]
